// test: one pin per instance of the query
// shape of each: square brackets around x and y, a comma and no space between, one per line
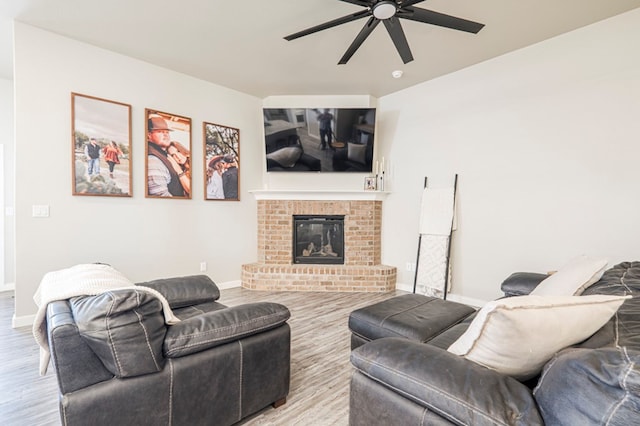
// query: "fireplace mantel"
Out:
[319,194]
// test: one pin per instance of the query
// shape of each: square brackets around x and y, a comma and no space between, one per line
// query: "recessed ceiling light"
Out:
[397,74]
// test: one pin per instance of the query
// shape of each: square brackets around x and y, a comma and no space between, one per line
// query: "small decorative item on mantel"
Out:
[380,176]
[370,183]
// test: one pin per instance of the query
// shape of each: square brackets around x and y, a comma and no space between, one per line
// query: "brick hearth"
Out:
[361,271]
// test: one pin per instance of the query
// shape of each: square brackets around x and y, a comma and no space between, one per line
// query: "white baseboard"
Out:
[404,287]
[450,296]
[229,284]
[7,287]
[22,321]
[477,303]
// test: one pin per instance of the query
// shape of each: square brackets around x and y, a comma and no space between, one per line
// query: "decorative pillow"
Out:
[516,336]
[573,278]
[286,157]
[604,381]
[356,152]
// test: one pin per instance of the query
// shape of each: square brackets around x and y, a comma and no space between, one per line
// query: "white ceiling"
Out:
[239,44]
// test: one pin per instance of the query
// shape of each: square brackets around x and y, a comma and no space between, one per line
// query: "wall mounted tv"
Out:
[319,139]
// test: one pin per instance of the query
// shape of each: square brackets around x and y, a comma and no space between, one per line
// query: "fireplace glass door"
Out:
[318,239]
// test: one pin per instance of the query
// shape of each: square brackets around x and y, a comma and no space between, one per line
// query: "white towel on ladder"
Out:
[437,219]
[436,211]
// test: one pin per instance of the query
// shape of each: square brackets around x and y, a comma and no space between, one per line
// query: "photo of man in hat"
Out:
[166,176]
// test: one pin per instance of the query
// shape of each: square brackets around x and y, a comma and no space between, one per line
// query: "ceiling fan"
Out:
[388,12]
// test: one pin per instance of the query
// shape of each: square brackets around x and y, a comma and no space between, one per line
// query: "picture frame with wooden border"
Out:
[221,162]
[167,155]
[100,146]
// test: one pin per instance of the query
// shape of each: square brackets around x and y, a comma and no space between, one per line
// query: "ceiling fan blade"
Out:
[409,3]
[399,39]
[329,24]
[360,38]
[362,3]
[439,19]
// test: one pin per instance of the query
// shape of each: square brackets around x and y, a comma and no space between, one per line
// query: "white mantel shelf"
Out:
[319,194]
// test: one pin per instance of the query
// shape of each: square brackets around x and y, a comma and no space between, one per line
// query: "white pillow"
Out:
[573,278]
[286,157]
[516,336]
[357,152]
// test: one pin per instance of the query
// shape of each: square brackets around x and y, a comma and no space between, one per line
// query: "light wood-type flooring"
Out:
[320,368]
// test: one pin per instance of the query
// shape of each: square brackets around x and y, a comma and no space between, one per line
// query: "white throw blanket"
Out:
[81,280]
[432,266]
[437,211]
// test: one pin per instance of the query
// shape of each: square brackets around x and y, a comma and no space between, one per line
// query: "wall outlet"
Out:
[410,266]
[40,211]
[203,266]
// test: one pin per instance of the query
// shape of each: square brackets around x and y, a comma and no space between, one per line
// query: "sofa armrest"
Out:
[219,327]
[457,389]
[185,291]
[76,365]
[521,283]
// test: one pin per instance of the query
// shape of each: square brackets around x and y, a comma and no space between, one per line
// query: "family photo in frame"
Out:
[168,155]
[221,162]
[101,146]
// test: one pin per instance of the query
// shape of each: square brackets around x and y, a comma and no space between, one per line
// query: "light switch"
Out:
[40,210]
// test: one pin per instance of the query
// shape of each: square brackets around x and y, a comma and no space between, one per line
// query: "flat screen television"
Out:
[319,139]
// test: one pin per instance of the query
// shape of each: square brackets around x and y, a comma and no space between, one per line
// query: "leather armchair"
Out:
[117,362]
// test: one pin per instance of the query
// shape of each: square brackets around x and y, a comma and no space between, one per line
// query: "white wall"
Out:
[6,140]
[545,142]
[143,238]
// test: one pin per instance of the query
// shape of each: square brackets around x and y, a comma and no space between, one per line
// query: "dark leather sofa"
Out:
[401,381]
[117,363]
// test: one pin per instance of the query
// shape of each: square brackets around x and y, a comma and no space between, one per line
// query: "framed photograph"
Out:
[101,146]
[167,155]
[221,162]
[369,184]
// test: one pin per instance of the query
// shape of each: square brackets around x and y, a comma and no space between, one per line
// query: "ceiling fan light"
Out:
[384,9]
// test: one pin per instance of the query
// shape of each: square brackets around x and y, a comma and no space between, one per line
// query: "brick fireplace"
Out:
[361,271]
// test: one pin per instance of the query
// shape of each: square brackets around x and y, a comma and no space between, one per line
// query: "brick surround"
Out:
[361,271]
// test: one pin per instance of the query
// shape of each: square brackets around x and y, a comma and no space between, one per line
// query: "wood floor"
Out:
[320,368]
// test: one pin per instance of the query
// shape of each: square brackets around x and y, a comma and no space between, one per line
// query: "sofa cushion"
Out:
[624,328]
[591,386]
[573,278]
[412,316]
[185,291]
[518,335]
[218,327]
[124,328]
[521,283]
